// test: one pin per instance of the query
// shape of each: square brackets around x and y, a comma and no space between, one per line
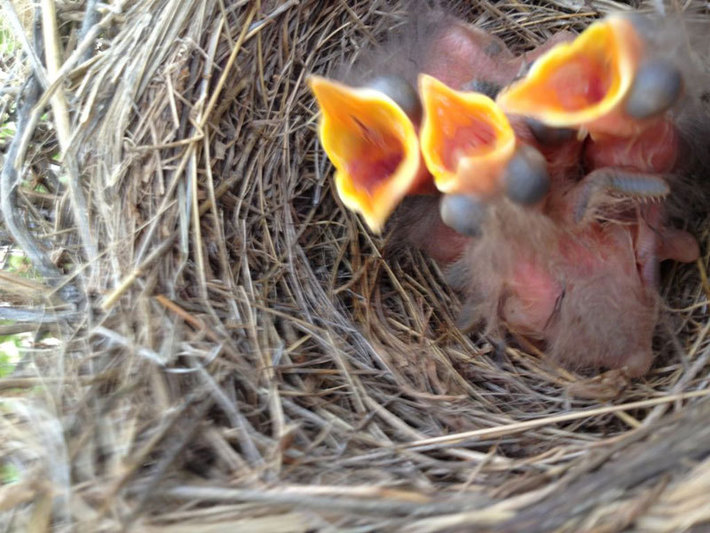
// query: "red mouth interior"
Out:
[375,159]
[581,82]
[472,138]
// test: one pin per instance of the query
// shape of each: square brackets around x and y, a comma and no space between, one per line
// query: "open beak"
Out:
[583,84]
[373,145]
[466,140]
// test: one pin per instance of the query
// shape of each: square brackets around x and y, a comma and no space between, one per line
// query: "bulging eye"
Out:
[401,92]
[656,87]
[489,88]
[526,178]
[548,135]
[463,213]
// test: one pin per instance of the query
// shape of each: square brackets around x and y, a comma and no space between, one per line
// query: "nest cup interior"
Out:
[249,356]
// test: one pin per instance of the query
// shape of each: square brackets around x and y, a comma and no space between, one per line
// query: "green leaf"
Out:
[8,44]
[18,263]
[9,473]
[9,354]
[7,130]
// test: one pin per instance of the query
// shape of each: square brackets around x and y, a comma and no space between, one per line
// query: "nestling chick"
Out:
[544,230]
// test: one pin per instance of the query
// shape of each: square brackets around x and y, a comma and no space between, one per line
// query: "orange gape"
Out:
[373,146]
[582,84]
[466,139]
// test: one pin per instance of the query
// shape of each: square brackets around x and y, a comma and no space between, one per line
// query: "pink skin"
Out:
[597,287]
[587,297]
[417,223]
[587,294]
[655,150]
[461,53]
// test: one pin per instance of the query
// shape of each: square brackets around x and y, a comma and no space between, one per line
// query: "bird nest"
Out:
[216,343]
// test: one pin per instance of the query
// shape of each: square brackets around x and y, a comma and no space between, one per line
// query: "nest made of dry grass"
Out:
[217,345]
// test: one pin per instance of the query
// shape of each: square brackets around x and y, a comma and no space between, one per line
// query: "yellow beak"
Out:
[373,145]
[582,84]
[466,139]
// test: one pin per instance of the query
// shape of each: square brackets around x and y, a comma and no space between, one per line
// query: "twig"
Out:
[127,281]
[8,181]
[499,431]
[36,316]
[91,17]
[303,497]
[53,56]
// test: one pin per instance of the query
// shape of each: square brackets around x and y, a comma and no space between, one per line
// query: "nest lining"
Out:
[236,351]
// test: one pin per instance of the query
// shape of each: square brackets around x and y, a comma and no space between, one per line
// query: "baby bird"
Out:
[543,195]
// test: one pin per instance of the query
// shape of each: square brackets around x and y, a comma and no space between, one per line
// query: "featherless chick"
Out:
[538,182]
